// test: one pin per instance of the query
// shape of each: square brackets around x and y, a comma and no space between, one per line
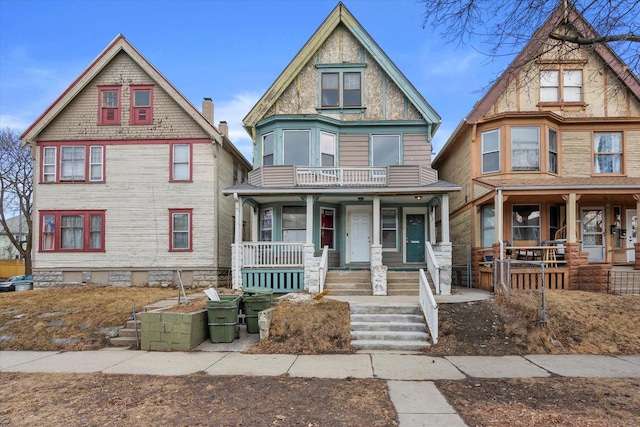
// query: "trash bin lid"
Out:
[254,291]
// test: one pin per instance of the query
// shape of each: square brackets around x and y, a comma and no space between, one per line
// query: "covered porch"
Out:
[298,234]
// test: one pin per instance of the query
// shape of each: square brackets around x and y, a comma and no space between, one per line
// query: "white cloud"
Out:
[233,111]
[16,123]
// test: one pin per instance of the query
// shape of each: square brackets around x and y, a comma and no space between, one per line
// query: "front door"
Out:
[414,246]
[593,233]
[632,234]
[360,238]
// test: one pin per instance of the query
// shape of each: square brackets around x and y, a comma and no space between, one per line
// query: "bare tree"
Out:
[16,189]
[504,27]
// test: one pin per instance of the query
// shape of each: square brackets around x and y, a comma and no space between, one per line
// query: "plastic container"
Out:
[223,318]
[254,301]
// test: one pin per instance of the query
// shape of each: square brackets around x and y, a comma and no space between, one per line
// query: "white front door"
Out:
[360,236]
[592,220]
[632,234]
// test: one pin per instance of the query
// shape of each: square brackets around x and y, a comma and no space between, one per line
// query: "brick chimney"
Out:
[207,109]
[224,129]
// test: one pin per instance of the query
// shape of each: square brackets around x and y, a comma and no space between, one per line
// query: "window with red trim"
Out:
[109,105]
[72,163]
[72,231]
[180,229]
[141,104]
[180,162]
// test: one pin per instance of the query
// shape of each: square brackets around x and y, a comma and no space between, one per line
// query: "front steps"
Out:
[127,335]
[388,326]
[358,282]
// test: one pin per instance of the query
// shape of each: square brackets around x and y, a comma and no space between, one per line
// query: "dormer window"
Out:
[109,105]
[141,105]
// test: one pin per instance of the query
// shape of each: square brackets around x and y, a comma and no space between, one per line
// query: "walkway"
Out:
[409,375]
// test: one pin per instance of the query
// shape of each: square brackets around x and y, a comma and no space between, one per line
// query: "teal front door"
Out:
[414,238]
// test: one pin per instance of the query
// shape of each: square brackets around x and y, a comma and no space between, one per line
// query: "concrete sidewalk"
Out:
[409,375]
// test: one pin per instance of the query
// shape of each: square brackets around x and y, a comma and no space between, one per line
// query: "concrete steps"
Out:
[348,282]
[388,326]
[403,283]
[127,335]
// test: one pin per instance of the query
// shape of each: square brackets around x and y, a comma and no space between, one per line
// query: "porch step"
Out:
[348,282]
[124,342]
[127,335]
[388,326]
[403,283]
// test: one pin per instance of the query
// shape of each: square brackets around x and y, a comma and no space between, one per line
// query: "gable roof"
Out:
[563,11]
[339,15]
[119,44]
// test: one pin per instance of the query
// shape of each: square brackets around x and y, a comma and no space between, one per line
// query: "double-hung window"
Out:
[294,223]
[49,164]
[328,149]
[561,86]
[72,163]
[340,89]
[389,225]
[109,105]
[525,148]
[180,162]
[96,163]
[385,150]
[266,225]
[553,151]
[526,224]
[607,149]
[296,147]
[488,216]
[267,149]
[180,225]
[327,227]
[491,151]
[74,231]
[141,104]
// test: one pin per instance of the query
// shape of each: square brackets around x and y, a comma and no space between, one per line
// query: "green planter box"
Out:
[223,318]
[167,331]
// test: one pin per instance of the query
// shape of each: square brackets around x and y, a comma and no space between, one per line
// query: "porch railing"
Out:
[433,267]
[341,176]
[429,306]
[273,254]
[324,267]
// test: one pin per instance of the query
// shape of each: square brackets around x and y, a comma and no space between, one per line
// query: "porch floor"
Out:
[458,295]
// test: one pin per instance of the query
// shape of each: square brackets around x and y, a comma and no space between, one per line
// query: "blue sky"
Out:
[231,51]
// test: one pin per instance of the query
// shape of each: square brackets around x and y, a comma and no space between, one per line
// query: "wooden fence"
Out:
[11,267]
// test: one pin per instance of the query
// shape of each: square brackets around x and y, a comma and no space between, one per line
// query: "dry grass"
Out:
[308,327]
[83,312]
[577,322]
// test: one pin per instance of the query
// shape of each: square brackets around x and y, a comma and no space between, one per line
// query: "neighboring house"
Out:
[342,158]
[127,180]
[549,161]
[20,229]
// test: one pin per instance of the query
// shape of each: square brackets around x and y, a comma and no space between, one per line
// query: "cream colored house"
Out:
[343,178]
[548,161]
[127,179]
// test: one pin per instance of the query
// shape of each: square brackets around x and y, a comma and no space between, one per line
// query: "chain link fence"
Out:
[522,283]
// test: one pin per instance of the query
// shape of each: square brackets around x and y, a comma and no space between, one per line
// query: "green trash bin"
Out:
[223,318]
[254,301]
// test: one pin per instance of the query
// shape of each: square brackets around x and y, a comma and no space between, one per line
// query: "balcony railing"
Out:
[341,176]
[273,254]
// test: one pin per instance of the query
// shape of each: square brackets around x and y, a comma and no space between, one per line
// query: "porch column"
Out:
[311,262]
[236,250]
[498,203]
[571,218]
[378,270]
[636,265]
[432,225]
[254,223]
[444,220]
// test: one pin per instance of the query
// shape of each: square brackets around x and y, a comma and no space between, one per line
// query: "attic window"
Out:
[561,86]
[340,86]
[109,108]
[141,105]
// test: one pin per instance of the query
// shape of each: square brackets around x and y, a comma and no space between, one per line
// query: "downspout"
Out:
[500,236]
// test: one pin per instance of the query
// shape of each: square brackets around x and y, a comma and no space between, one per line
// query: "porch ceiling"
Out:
[402,199]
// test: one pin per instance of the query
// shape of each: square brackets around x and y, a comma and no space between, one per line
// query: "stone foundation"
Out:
[152,278]
[378,271]
[592,278]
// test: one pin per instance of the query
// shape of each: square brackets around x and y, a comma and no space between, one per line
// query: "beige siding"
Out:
[576,154]
[137,197]
[278,176]
[633,153]
[79,120]
[404,176]
[456,168]
[354,150]
[417,150]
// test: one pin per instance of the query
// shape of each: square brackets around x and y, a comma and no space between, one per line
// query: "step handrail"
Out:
[433,266]
[324,267]
[429,306]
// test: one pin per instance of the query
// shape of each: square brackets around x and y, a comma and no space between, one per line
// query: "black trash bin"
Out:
[223,318]
[254,301]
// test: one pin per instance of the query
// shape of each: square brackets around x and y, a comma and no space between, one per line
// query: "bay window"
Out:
[525,148]
[296,147]
[553,151]
[327,149]
[267,149]
[491,151]
[607,148]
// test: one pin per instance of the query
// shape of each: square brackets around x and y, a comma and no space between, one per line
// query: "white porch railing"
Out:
[272,254]
[429,306]
[339,176]
[433,267]
[324,266]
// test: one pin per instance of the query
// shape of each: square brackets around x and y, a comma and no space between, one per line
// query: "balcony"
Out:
[311,176]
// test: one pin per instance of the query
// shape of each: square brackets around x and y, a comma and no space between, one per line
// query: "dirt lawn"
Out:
[578,322]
